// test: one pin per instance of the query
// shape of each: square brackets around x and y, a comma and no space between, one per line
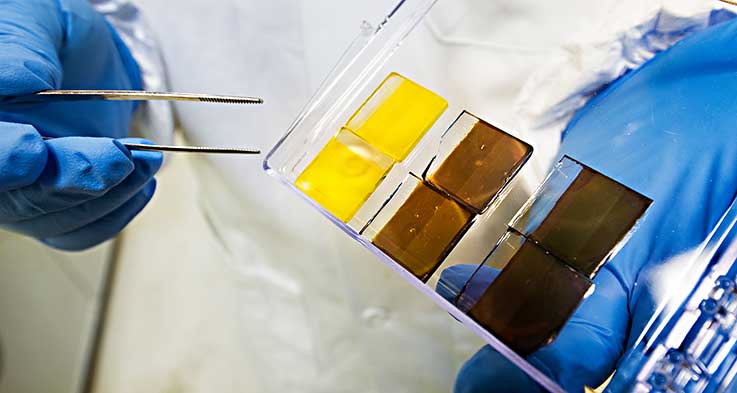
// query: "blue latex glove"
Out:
[667,130]
[71,193]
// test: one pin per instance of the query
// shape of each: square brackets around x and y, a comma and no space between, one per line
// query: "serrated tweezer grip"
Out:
[128,95]
[191,149]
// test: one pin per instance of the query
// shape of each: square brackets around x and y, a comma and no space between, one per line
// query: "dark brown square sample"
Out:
[530,300]
[480,166]
[590,218]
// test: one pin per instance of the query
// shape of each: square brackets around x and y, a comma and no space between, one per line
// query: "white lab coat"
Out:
[306,308]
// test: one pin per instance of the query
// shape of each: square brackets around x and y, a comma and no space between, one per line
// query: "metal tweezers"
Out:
[134,95]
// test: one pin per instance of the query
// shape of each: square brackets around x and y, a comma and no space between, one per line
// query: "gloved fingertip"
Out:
[148,162]
[119,166]
[122,148]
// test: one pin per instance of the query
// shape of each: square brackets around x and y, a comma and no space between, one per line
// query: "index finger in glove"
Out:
[147,163]
[77,170]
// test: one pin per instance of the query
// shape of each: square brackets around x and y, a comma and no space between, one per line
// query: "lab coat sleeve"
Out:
[154,119]
[578,71]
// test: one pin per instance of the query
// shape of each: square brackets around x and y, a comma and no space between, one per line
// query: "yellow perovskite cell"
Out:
[397,115]
[344,174]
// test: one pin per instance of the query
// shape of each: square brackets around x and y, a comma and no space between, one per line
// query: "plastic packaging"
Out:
[691,343]
[386,218]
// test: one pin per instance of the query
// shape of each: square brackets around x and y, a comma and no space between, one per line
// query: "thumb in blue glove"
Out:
[63,44]
[666,130]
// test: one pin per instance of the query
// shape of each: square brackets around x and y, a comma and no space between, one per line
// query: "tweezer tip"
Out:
[235,100]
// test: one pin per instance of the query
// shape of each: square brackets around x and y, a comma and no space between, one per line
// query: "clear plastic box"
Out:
[690,343]
[397,48]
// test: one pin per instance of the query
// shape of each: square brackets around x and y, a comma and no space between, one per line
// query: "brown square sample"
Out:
[423,231]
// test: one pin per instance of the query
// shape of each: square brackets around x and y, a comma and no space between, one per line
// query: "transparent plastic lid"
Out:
[379,151]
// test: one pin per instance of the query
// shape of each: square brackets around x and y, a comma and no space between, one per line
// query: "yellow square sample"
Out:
[397,115]
[344,174]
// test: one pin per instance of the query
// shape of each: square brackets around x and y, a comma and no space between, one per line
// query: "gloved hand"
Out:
[667,130]
[71,193]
